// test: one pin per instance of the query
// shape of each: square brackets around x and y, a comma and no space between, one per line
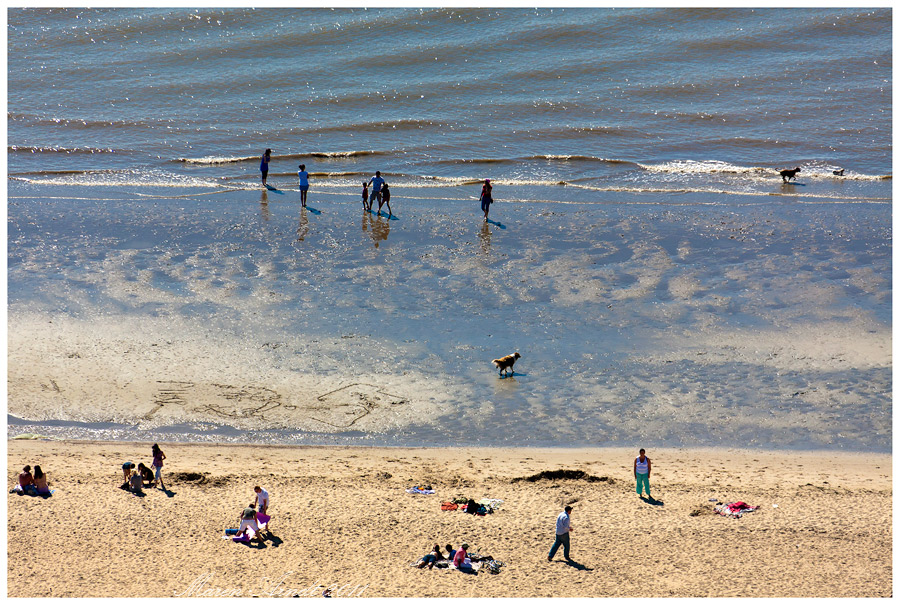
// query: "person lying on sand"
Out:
[431,558]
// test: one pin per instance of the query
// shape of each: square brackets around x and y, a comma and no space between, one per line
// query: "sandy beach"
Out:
[341,517]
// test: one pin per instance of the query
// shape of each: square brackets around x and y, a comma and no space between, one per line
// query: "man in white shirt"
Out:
[262,500]
[563,527]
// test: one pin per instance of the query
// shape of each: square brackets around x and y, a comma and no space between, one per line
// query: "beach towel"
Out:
[420,490]
[735,510]
[449,506]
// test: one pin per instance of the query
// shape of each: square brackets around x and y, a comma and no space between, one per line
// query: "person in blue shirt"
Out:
[304,184]
[376,182]
[563,527]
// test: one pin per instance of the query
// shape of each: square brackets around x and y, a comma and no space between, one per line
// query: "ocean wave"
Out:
[57,149]
[720,191]
[696,167]
[113,178]
[226,159]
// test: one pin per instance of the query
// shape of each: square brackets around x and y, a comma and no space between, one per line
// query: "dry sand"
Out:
[341,517]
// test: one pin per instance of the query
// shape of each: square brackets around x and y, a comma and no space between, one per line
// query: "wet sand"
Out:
[341,517]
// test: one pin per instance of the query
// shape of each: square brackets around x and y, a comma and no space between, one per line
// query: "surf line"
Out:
[171,197]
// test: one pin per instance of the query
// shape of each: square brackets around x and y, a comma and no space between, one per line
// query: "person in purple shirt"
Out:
[158,458]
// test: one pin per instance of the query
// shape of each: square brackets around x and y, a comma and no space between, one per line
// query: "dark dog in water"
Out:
[787,175]
[838,172]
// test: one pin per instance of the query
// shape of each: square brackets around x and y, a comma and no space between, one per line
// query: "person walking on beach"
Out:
[303,175]
[486,198]
[642,473]
[563,527]
[158,457]
[264,165]
[377,182]
[385,199]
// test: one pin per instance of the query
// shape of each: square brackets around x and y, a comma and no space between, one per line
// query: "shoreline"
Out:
[342,517]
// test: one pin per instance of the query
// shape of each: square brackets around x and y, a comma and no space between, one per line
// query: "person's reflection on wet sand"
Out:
[264,205]
[303,228]
[485,237]
[381,227]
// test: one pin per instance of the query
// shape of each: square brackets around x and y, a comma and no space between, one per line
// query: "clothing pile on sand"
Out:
[735,510]
[482,507]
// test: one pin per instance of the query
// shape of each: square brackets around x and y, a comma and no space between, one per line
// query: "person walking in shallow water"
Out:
[563,527]
[264,165]
[486,198]
[642,473]
[376,182]
[385,199]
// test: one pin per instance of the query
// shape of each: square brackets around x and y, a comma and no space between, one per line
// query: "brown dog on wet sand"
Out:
[506,363]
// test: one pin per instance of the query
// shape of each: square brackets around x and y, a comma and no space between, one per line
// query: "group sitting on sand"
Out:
[141,476]
[459,559]
[32,485]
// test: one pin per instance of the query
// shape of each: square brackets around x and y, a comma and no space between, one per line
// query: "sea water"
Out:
[662,283]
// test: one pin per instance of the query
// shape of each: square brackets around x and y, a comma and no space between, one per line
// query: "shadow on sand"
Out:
[652,500]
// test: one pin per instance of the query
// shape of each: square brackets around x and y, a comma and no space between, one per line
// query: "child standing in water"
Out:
[366,206]
[385,199]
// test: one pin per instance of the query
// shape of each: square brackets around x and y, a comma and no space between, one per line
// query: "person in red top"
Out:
[459,559]
[487,198]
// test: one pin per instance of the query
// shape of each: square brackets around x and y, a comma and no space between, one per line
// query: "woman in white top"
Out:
[642,473]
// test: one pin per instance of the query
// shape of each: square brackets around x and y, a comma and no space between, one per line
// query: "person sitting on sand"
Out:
[450,551]
[461,561]
[40,481]
[431,558]
[136,484]
[26,482]
[146,474]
